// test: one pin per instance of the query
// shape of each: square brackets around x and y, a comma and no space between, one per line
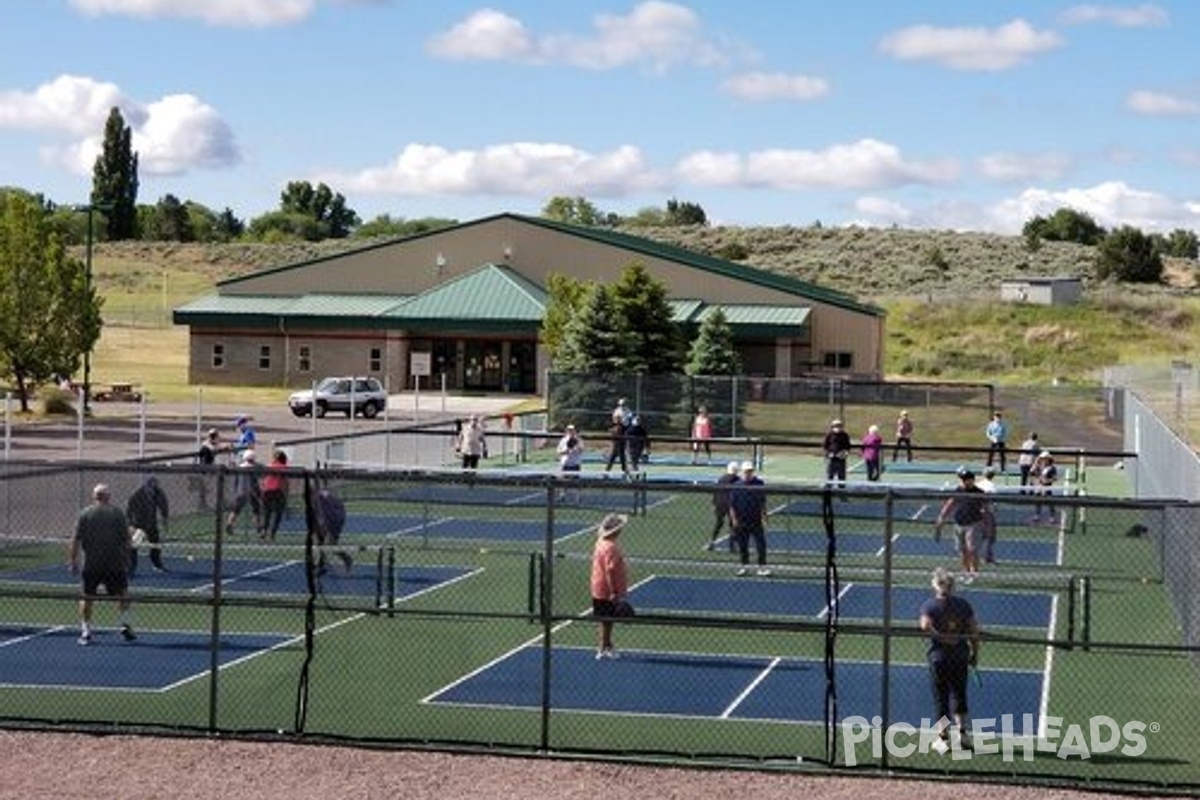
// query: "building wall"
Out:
[416,265]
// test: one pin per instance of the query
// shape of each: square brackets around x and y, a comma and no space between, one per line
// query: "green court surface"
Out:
[466,610]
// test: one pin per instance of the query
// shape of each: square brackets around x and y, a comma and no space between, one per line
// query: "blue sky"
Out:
[946,114]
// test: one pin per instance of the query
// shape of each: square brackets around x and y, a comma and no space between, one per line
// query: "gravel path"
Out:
[80,767]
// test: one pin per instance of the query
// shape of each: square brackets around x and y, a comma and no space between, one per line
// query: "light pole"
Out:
[90,208]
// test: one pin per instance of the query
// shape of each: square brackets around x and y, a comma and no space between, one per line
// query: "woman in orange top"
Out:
[610,581]
[274,493]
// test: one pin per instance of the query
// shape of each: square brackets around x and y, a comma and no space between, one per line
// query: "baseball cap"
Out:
[241,420]
[747,466]
[732,467]
[965,473]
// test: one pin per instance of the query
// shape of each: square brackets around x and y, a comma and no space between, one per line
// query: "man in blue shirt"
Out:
[748,515]
[953,649]
[967,508]
[997,434]
[246,439]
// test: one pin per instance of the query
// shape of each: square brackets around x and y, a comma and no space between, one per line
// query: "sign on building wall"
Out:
[421,364]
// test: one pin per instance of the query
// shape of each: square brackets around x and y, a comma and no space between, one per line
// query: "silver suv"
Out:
[348,395]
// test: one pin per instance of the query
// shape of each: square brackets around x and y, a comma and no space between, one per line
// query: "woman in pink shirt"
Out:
[701,434]
[872,452]
[610,581]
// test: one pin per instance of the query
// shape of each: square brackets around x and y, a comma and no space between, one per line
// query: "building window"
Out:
[838,360]
[264,357]
[218,356]
[375,360]
[304,358]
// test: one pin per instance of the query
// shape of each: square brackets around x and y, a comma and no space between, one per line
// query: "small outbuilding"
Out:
[1044,291]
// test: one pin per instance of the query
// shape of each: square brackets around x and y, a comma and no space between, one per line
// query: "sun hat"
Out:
[747,466]
[732,467]
[837,423]
[943,579]
[1045,454]
[611,525]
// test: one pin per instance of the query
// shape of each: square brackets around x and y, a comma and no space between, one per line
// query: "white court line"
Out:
[882,550]
[30,637]
[750,687]
[829,608]
[418,527]
[1044,705]
[522,646]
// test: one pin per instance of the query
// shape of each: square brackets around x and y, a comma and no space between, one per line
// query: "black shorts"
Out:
[115,582]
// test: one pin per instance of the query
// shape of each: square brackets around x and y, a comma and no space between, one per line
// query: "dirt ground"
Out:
[84,767]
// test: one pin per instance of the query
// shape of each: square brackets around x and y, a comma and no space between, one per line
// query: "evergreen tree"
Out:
[712,352]
[49,316]
[645,314]
[115,179]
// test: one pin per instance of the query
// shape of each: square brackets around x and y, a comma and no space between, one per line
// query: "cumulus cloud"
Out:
[984,49]
[882,211]
[1112,204]
[656,34]
[1013,167]
[865,164]
[763,86]
[535,169]
[171,136]
[229,13]
[1146,15]
[1159,104]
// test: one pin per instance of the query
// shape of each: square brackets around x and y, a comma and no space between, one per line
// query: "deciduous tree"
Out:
[49,316]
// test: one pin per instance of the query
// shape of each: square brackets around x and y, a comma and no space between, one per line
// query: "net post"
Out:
[379,578]
[1086,598]
[531,583]
[1071,611]
[391,580]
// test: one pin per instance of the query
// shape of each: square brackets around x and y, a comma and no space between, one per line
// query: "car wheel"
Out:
[300,412]
[370,410]
[321,409]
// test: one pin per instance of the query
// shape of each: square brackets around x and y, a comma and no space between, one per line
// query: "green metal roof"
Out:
[758,315]
[684,310]
[491,292]
[323,305]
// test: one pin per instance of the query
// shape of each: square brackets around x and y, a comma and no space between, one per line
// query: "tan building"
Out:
[463,305]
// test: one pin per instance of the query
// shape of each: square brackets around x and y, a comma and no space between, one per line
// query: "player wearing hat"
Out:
[837,449]
[966,507]
[748,515]
[609,582]
[720,500]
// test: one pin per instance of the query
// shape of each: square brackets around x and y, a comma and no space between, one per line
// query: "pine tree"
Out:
[645,313]
[713,353]
[115,179]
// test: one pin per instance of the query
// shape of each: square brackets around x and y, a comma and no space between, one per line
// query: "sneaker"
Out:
[964,740]
[710,546]
[763,572]
[967,578]
[159,568]
[85,639]
[347,561]
[743,572]
[127,633]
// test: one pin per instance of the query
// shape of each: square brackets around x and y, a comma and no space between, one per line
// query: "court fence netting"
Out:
[454,611]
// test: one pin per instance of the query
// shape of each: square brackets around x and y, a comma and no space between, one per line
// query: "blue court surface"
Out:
[596,490]
[359,523]
[1009,515]
[922,544]
[49,657]
[508,530]
[778,597]
[726,687]
[261,577]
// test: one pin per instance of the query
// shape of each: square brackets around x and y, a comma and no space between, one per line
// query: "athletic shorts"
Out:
[115,582]
[969,535]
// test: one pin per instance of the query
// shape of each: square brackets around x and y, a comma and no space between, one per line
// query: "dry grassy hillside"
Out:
[874,264]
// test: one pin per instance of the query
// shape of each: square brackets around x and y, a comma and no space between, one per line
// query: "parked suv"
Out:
[334,394]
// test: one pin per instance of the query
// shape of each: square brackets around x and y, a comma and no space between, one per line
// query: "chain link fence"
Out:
[454,610]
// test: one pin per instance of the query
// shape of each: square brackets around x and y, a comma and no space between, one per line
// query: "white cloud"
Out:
[232,13]
[171,135]
[1159,104]
[992,49]
[1011,167]
[865,164]
[70,103]
[534,169]
[1112,204]
[882,211]
[763,86]
[655,33]
[1143,16]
